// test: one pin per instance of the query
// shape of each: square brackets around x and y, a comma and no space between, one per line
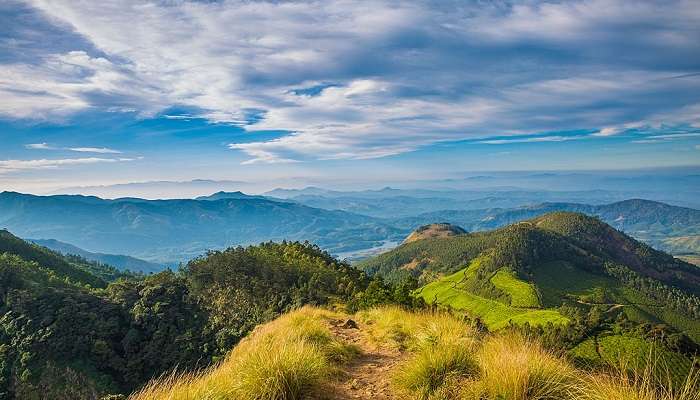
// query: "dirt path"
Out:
[368,375]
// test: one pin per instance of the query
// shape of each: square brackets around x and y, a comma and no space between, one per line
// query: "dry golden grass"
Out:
[411,331]
[445,360]
[624,384]
[516,368]
[280,360]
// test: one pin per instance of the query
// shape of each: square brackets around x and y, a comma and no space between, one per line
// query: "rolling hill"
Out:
[525,271]
[670,228]
[171,231]
[78,271]
[68,334]
[116,260]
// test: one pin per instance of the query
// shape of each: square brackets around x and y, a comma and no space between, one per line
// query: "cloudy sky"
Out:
[129,91]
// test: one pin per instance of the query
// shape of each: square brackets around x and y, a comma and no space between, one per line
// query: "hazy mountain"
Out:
[159,189]
[396,203]
[175,230]
[221,195]
[119,261]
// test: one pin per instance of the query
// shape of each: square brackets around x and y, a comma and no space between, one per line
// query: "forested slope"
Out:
[61,339]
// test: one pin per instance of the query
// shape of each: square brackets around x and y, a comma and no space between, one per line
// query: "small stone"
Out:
[349,324]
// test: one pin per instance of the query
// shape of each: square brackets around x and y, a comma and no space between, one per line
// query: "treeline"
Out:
[675,299]
[61,339]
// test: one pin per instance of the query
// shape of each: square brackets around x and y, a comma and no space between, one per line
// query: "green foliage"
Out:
[76,272]
[54,330]
[451,292]
[243,287]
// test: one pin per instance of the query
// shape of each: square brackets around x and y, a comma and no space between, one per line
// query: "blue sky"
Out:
[283,93]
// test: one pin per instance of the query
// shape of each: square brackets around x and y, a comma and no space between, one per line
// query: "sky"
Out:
[279,93]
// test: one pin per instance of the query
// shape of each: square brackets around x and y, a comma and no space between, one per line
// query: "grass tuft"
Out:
[516,368]
[435,369]
[627,384]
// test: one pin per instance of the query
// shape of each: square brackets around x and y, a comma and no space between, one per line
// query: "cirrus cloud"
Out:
[353,80]
[21,165]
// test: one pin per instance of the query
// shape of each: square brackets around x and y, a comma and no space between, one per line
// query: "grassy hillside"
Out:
[395,354]
[524,272]
[434,231]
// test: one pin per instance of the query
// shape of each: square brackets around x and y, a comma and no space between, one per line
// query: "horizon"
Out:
[475,181]
[339,94]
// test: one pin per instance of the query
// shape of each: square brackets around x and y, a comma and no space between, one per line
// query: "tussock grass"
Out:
[444,359]
[412,331]
[435,370]
[441,349]
[631,384]
[281,360]
[516,368]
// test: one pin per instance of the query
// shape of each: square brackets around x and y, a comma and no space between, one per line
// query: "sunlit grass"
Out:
[441,358]
[281,360]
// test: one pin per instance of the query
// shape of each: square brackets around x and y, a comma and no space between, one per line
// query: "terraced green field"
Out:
[494,314]
[522,294]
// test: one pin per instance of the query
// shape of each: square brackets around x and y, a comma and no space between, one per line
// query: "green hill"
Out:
[434,231]
[525,273]
[118,261]
[74,269]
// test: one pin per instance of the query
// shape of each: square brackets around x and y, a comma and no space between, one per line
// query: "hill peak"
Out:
[436,230]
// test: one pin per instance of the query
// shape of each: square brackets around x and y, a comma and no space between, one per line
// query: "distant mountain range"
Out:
[396,203]
[167,231]
[171,231]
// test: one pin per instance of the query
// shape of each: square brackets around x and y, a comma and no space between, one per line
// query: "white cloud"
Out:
[46,146]
[39,146]
[532,139]
[667,137]
[20,165]
[608,131]
[406,74]
[100,150]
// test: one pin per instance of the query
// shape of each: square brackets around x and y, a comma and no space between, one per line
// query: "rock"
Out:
[349,324]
